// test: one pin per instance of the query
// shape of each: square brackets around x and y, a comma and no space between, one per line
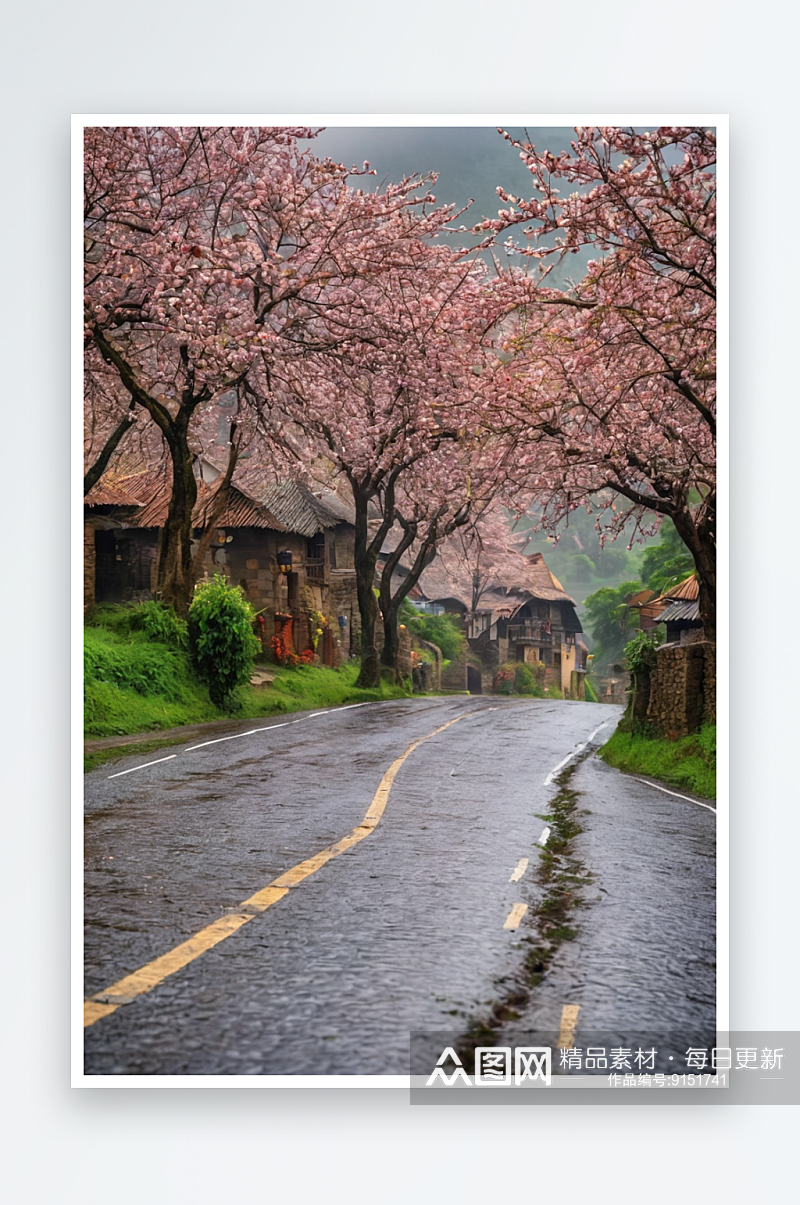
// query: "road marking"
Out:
[545,834]
[677,796]
[569,1019]
[237,735]
[127,989]
[143,766]
[347,707]
[519,870]
[515,916]
[578,749]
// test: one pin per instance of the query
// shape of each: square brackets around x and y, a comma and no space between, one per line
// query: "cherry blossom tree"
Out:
[444,496]
[210,253]
[483,555]
[393,408]
[610,385]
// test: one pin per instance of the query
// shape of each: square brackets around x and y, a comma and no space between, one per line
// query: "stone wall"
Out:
[89,566]
[577,685]
[612,689]
[342,544]
[454,677]
[435,675]
[404,653]
[492,654]
[343,600]
[710,684]
[679,702]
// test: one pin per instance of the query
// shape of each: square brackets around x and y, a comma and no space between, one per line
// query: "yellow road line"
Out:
[569,1019]
[519,870]
[125,990]
[515,916]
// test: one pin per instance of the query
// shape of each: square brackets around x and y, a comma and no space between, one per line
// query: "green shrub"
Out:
[113,617]
[529,679]
[591,693]
[442,630]
[640,653]
[160,622]
[221,639]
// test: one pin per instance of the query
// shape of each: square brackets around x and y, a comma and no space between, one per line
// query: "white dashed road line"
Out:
[545,834]
[143,767]
[253,731]
[578,749]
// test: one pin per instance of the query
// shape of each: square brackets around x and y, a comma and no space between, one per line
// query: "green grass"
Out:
[99,757]
[136,683]
[690,762]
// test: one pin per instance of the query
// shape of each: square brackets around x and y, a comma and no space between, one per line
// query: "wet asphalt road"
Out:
[403,932]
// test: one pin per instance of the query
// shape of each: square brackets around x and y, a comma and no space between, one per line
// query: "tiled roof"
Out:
[304,512]
[241,510]
[680,610]
[532,580]
[107,494]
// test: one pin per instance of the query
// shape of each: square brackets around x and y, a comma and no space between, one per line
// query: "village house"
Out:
[531,620]
[682,692]
[290,549]
[680,612]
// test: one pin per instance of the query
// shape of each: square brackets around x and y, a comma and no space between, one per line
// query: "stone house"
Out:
[682,691]
[289,548]
[531,619]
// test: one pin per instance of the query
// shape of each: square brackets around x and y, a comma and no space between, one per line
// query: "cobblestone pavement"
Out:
[402,932]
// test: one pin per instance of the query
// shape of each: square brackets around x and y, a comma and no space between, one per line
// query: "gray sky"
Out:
[471,161]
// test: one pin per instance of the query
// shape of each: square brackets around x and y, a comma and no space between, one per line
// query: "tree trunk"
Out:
[370,674]
[640,697]
[699,536]
[174,572]
[391,638]
[365,560]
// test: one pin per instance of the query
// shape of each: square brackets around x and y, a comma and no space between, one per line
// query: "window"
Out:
[315,547]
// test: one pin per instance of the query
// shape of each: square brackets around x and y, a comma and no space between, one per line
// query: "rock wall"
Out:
[577,685]
[710,684]
[454,677]
[89,567]
[682,689]
[343,600]
[612,689]
[434,676]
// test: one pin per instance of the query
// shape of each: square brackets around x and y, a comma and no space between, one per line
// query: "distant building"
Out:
[680,612]
[528,619]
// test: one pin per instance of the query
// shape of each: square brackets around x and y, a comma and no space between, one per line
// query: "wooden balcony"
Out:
[530,631]
[315,569]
